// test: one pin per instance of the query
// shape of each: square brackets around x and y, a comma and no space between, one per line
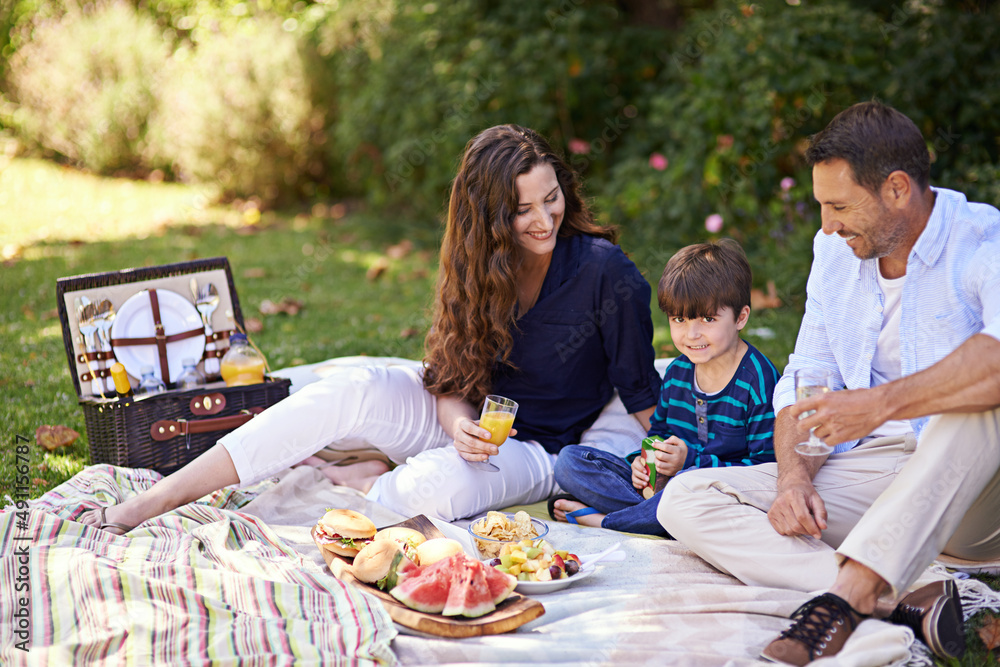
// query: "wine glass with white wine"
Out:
[808,383]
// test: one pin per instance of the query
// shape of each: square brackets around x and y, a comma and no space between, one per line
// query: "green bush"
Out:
[944,74]
[236,111]
[746,86]
[416,80]
[84,86]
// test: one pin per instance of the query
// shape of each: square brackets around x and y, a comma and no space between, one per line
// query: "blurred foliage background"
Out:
[687,118]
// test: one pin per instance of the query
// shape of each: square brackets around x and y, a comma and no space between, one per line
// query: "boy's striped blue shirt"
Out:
[733,427]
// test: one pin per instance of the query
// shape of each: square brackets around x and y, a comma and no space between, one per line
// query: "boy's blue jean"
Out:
[604,481]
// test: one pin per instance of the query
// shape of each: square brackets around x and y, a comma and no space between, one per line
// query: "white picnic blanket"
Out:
[661,605]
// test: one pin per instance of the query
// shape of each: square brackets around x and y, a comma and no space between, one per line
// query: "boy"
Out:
[715,402]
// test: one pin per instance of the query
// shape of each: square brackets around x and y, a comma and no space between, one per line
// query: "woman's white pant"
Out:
[387,407]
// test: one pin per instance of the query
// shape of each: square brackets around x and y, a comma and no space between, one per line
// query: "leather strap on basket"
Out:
[160,340]
[83,358]
[208,404]
[165,429]
[98,373]
[217,352]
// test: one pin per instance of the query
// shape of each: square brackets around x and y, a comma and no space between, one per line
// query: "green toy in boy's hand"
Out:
[648,457]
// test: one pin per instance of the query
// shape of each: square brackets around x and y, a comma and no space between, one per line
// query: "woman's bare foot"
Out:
[313,461]
[563,507]
[209,472]
[360,476]
[126,515]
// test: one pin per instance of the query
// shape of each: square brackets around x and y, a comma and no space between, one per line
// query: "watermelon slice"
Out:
[401,568]
[455,586]
[425,591]
[469,595]
[406,569]
[501,584]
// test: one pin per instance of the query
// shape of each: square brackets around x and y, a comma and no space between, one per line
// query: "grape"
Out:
[572,567]
[556,572]
[495,562]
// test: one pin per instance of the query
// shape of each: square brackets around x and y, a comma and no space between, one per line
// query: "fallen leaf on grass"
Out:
[253,325]
[38,481]
[255,272]
[760,300]
[287,306]
[53,437]
[990,633]
[376,270]
[409,332]
[400,250]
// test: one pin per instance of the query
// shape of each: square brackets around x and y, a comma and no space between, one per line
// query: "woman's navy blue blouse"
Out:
[589,333]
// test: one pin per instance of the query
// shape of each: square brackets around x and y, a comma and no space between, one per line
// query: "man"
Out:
[903,306]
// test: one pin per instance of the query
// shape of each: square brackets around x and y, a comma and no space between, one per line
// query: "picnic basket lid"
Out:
[119,286]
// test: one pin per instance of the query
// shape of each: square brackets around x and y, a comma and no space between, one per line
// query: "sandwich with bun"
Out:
[384,564]
[407,539]
[344,532]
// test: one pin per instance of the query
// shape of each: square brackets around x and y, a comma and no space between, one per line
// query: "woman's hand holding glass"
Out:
[478,439]
[494,426]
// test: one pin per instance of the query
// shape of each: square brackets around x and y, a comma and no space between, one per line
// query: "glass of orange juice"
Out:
[497,418]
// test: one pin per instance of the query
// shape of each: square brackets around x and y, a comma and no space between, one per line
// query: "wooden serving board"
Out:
[510,614]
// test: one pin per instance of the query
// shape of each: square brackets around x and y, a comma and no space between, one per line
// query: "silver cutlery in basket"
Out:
[206,300]
[86,316]
[105,317]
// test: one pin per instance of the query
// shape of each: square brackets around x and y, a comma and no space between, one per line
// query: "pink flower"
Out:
[578,147]
[713,223]
[658,162]
[787,183]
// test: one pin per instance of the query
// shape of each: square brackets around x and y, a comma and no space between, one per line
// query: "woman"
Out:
[534,302]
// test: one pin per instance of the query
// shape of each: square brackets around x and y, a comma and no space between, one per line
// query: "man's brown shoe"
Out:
[820,628]
[934,613]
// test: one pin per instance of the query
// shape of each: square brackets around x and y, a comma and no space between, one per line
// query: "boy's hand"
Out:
[640,474]
[670,459]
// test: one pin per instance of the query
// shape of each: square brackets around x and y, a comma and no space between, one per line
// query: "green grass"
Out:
[58,222]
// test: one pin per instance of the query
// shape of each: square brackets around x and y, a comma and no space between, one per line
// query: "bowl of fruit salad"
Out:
[538,566]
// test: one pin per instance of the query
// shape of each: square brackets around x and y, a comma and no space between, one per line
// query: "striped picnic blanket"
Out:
[200,585]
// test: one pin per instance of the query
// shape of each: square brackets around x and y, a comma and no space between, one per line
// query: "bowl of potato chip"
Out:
[491,532]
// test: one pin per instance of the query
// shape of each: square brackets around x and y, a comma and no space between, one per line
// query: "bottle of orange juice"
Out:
[242,364]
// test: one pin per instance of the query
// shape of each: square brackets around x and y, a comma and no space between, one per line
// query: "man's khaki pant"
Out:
[888,507]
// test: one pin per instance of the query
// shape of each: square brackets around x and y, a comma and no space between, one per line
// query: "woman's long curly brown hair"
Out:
[476,300]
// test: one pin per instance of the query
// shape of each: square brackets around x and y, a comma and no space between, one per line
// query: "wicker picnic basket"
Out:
[164,431]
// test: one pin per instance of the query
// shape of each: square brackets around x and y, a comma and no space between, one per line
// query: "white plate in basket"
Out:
[135,320]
